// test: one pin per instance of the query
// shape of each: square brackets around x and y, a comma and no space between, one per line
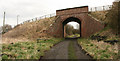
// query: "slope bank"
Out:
[28,31]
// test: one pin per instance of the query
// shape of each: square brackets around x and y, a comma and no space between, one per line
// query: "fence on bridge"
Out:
[100,8]
[92,9]
[39,18]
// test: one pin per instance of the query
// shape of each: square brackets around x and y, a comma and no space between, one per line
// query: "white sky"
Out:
[74,24]
[28,9]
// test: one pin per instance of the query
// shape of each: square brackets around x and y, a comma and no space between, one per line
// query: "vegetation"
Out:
[74,35]
[31,30]
[71,32]
[112,17]
[110,32]
[6,28]
[97,47]
[99,50]
[0,51]
[71,51]
[100,15]
[27,50]
[109,18]
[69,29]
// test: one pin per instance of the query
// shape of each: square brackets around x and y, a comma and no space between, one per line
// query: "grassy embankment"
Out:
[27,50]
[101,50]
[29,31]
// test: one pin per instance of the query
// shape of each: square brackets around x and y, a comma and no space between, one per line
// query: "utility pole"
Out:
[17,19]
[4,19]
[3,23]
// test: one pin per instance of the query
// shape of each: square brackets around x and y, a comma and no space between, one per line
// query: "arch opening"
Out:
[71,28]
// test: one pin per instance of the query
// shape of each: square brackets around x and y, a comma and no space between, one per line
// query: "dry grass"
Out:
[14,40]
[28,31]
[101,49]
[111,35]
[102,45]
[100,15]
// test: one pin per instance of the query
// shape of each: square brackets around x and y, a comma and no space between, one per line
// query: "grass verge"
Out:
[99,50]
[27,50]
[71,51]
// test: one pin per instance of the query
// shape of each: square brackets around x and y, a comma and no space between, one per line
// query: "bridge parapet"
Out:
[74,10]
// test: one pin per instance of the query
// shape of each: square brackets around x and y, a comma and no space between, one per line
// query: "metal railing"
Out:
[92,9]
[100,8]
[39,18]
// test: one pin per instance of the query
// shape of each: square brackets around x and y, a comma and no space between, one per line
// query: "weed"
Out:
[71,51]
[4,57]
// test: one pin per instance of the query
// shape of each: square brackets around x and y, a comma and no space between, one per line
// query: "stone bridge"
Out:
[88,25]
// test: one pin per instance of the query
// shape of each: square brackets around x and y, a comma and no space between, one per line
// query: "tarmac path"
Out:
[60,51]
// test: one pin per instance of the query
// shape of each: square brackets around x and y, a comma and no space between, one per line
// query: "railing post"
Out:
[91,9]
[50,15]
[36,19]
[95,8]
[103,8]
[45,16]
[40,18]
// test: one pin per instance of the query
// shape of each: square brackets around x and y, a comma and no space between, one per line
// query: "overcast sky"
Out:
[28,9]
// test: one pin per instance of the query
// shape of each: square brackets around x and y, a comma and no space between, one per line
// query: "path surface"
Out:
[60,51]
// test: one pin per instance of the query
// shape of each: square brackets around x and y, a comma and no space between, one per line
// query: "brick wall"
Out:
[89,25]
[75,10]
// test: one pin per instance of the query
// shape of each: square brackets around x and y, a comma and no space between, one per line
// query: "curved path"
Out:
[60,51]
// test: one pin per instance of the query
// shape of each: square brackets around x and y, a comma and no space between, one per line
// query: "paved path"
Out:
[60,51]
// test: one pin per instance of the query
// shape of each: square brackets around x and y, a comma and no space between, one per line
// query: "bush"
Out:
[98,37]
[112,17]
[6,28]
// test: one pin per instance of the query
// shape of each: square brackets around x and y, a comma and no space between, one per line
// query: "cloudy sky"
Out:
[28,9]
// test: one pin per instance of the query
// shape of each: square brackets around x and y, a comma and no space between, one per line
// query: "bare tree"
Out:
[69,29]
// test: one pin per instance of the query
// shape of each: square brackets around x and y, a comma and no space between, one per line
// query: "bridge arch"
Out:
[69,19]
[88,24]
